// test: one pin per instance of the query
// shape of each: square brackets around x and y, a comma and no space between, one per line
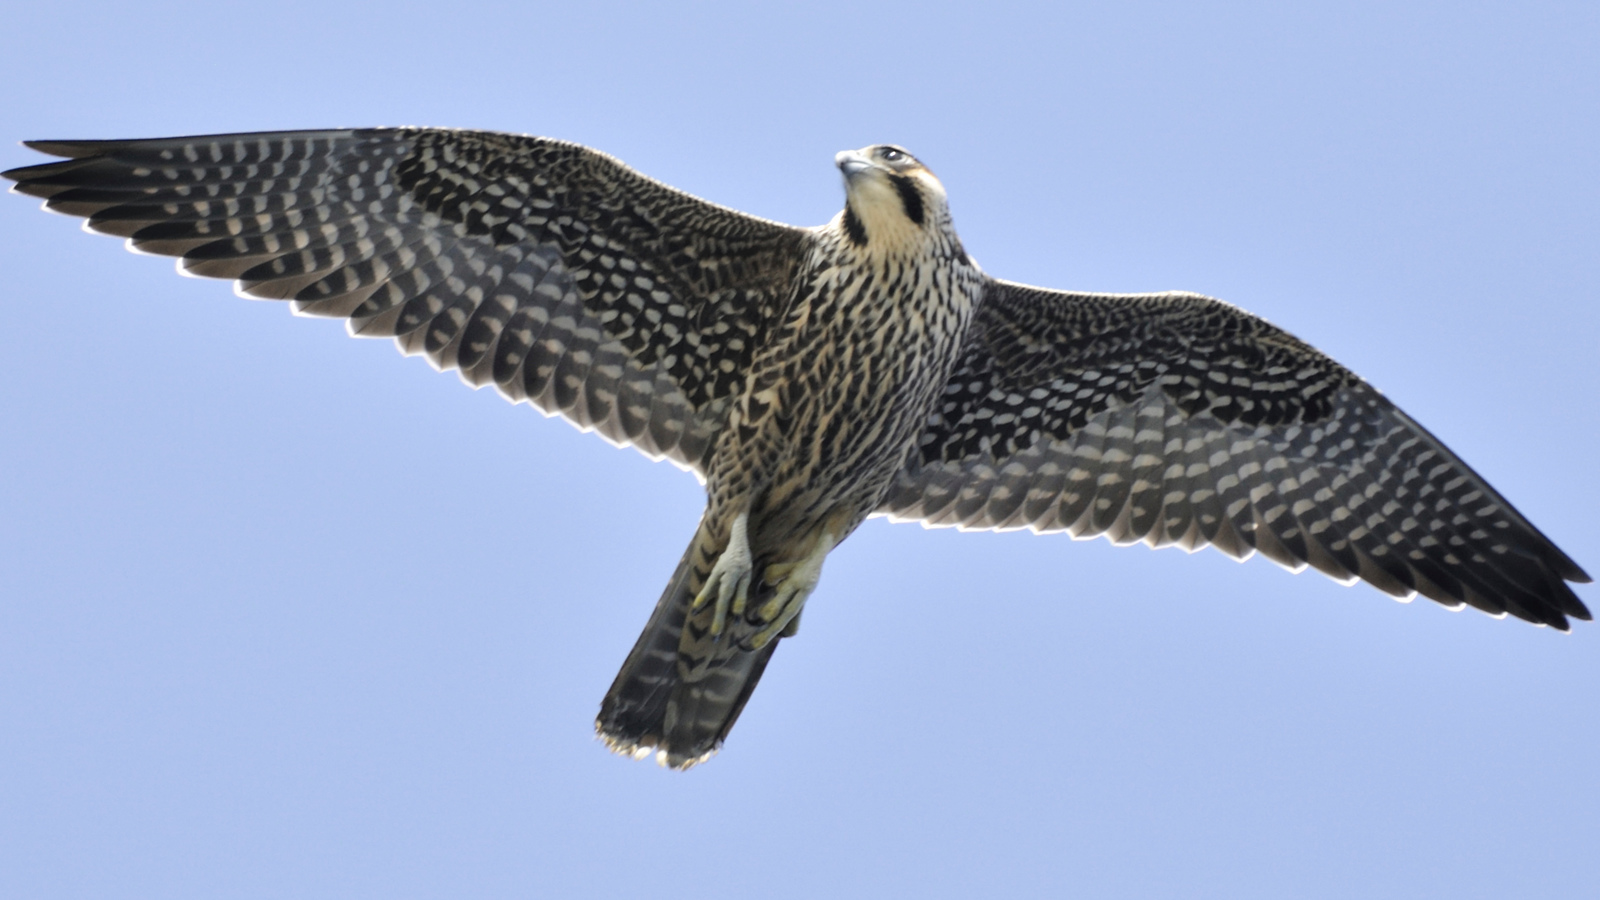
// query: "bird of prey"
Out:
[813,377]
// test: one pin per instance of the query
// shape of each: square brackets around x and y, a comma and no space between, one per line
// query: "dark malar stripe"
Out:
[909,197]
[853,227]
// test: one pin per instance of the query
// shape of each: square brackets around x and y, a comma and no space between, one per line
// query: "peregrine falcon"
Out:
[813,377]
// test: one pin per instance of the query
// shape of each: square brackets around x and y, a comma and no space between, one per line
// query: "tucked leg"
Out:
[792,583]
[728,585]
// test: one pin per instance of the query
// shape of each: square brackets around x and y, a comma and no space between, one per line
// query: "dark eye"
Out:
[890,154]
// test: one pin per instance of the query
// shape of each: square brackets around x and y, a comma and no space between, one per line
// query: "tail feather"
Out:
[680,704]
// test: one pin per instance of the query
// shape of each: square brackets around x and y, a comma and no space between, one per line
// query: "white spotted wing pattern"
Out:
[1179,419]
[812,377]
[545,268]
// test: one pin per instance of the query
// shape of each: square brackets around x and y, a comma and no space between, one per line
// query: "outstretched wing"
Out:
[1178,419]
[548,269]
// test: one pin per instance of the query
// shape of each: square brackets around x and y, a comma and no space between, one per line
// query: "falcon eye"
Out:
[890,154]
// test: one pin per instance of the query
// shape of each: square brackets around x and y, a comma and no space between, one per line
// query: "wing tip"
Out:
[69,149]
[1570,605]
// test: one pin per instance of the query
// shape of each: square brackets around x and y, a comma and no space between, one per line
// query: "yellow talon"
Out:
[793,582]
[728,582]
[769,610]
[777,625]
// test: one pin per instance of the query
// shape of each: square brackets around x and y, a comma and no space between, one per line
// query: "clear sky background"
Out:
[286,614]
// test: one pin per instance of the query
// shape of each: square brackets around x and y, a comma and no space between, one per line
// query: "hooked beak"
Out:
[851,163]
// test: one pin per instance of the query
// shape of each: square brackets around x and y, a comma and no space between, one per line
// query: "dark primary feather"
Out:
[566,279]
[1178,419]
[546,268]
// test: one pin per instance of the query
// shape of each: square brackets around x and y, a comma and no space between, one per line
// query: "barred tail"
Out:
[680,694]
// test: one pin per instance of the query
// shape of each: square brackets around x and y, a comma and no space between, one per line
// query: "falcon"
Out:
[813,377]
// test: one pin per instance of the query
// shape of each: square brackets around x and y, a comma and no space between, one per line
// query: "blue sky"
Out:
[285,614]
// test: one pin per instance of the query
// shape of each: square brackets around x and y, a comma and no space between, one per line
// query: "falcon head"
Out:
[890,198]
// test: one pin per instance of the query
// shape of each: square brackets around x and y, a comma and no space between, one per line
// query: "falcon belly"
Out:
[812,377]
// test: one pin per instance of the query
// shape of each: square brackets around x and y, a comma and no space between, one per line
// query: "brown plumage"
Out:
[814,377]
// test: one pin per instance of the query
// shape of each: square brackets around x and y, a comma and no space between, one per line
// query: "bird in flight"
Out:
[813,377]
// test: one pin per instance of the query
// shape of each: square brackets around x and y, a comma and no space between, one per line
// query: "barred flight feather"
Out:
[545,268]
[814,377]
[1253,441]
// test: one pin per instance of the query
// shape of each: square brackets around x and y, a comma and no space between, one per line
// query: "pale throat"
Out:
[882,214]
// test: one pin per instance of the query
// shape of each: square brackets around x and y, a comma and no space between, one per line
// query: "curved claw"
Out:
[728,584]
[793,583]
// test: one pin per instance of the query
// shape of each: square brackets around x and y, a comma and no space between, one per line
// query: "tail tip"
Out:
[642,747]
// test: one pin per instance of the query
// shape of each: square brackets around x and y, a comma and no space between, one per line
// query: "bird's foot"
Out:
[728,585]
[792,583]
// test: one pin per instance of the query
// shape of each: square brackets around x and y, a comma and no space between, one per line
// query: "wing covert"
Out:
[546,268]
[1179,419]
